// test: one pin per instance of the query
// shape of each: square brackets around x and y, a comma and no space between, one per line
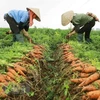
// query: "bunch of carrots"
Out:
[18,69]
[36,53]
[88,78]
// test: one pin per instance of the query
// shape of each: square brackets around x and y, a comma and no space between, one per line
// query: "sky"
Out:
[51,10]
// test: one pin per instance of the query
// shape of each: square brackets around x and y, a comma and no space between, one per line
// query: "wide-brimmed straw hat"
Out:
[36,11]
[67,17]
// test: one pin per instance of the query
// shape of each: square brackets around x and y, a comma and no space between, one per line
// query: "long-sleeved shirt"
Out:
[80,20]
[19,15]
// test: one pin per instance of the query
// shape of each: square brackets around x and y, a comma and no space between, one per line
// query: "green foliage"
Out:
[50,39]
[88,52]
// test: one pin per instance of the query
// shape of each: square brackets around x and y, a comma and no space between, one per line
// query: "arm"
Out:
[71,33]
[94,16]
[25,33]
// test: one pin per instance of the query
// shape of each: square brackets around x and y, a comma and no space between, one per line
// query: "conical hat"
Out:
[67,17]
[36,11]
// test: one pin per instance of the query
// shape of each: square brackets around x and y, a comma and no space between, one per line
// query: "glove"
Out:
[21,25]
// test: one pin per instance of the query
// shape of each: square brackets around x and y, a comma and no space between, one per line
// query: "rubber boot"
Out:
[88,40]
[14,38]
[19,37]
[80,37]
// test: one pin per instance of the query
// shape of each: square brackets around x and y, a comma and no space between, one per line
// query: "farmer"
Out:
[82,23]
[19,22]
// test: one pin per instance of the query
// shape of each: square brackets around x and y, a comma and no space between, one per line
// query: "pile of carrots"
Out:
[19,69]
[88,77]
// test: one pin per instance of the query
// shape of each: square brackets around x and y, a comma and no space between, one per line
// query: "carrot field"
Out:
[53,68]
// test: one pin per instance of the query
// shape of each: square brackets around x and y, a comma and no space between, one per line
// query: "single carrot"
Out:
[90,79]
[85,69]
[39,56]
[89,88]
[97,82]
[77,64]
[8,78]
[84,74]
[38,47]
[98,98]
[78,80]
[71,59]
[65,52]
[2,78]
[93,94]
[89,69]
[79,68]
[68,55]
[84,97]
[66,49]
[2,93]
[37,52]
[31,54]
[3,84]
[65,46]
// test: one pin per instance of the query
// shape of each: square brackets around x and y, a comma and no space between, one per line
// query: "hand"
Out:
[8,32]
[68,36]
[31,23]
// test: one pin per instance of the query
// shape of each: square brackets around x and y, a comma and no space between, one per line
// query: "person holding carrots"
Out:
[19,22]
[83,23]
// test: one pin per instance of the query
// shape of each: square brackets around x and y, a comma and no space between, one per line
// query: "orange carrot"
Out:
[2,93]
[8,78]
[66,49]
[84,97]
[65,53]
[19,71]
[90,79]
[89,88]
[89,69]
[39,56]
[72,58]
[68,55]
[77,64]
[78,80]
[10,75]
[84,74]
[97,82]
[21,68]
[98,98]
[85,69]
[37,52]
[79,68]
[93,94]
[12,71]
[65,46]
[38,47]
[2,78]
